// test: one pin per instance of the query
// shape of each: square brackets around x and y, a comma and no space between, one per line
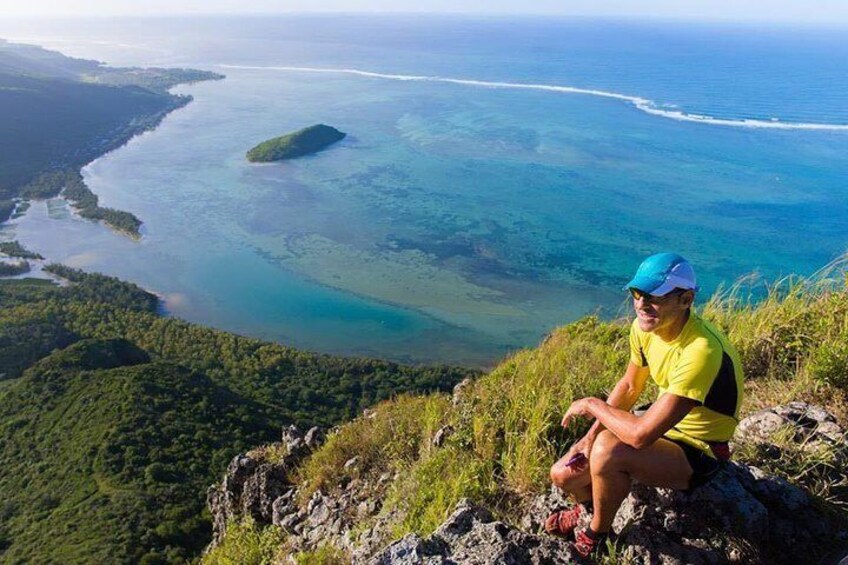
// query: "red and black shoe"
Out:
[586,542]
[564,522]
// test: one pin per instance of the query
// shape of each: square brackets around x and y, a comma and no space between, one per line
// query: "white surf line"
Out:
[643,104]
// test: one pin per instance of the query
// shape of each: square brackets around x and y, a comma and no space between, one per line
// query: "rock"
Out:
[743,515]
[412,550]
[441,435]
[759,427]
[541,507]
[461,389]
[351,463]
[249,488]
[314,438]
[259,489]
[283,507]
[809,424]
[472,536]
[653,522]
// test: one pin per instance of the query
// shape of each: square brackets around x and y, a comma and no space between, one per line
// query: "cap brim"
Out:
[654,287]
[645,284]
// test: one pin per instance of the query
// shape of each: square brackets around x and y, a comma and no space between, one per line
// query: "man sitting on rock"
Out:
[680,440]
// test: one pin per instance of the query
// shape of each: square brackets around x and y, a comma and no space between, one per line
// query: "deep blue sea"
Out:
[501,176]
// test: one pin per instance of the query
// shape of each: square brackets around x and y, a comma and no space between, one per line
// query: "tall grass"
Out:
[395,433]
[792,336]
[246,544]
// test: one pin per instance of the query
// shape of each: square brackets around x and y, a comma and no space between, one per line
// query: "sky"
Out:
[829,11]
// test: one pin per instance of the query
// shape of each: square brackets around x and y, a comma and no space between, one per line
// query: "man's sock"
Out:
[596,536]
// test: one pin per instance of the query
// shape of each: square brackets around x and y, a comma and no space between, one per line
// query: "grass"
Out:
[792,337]
[324,555]
[815,466]
[393,435]
[246,544]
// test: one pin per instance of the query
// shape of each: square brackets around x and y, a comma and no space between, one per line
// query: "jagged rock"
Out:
[260,489]
[413,550]
[742,515]
[472,536]
[292,440]
[541,507]
[808,423]
[283,507]
[441,435]
[314,437]
[461,389]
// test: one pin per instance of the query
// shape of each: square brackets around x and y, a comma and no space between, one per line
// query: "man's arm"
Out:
[623,396]
[635,431]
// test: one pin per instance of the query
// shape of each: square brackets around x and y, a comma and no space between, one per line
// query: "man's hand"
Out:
[578,408]
[584,446]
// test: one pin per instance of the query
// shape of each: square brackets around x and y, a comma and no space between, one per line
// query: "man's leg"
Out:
[614,464]
[575,481]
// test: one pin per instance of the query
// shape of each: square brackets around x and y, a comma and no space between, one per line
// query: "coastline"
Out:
[55,180]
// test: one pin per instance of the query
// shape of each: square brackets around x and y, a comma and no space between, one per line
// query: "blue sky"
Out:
[831,11]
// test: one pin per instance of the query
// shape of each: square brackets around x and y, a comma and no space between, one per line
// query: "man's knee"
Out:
[566,477]
[608,453]
[559,475]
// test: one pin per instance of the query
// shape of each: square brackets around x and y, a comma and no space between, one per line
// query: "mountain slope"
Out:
[114,420]
[106,462]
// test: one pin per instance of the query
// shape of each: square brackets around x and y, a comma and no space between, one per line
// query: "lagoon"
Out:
[465,215]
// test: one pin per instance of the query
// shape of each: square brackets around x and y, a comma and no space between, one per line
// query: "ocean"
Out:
[501,176]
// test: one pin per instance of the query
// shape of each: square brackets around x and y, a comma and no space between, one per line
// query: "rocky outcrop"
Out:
[258,487]
[743,515]
[472,536]
[810,427]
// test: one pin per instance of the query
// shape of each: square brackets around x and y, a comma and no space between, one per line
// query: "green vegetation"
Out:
[297,144]
[324,555]
[69,124]
[85,202]
[506,423]
[246,544]
[114,420]
[60,113]
[156,79]
[12,269]
[15,249]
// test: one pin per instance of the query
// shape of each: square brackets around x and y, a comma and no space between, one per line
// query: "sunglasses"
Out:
[651,299]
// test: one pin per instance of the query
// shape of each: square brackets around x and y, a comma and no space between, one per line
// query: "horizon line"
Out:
[692,18]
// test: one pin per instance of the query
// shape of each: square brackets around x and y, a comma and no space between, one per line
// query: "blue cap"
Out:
[661,273]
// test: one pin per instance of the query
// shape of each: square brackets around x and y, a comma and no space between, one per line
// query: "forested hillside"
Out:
[59,113]
[113,419]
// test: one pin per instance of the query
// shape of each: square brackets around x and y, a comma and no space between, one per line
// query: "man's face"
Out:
[657,313]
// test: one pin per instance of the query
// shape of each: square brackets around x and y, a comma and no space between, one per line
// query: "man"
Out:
[681,439]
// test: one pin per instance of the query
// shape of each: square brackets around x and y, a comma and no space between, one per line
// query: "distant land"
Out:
[296,144]
[60,113]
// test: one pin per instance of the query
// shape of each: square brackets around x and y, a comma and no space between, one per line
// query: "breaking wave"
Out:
[643,104]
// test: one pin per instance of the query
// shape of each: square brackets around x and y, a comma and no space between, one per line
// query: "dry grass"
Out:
[792,336]
[394,434]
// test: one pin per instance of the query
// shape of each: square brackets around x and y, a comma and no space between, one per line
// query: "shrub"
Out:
[829,363]
[324,555]
[246,544]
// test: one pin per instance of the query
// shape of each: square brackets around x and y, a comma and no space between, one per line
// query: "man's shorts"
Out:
[703,466]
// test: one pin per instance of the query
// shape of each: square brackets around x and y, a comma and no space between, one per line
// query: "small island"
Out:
[297,144]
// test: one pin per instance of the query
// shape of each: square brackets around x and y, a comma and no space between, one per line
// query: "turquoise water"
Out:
[460,219]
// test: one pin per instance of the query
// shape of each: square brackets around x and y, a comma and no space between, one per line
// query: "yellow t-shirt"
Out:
[699,364]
